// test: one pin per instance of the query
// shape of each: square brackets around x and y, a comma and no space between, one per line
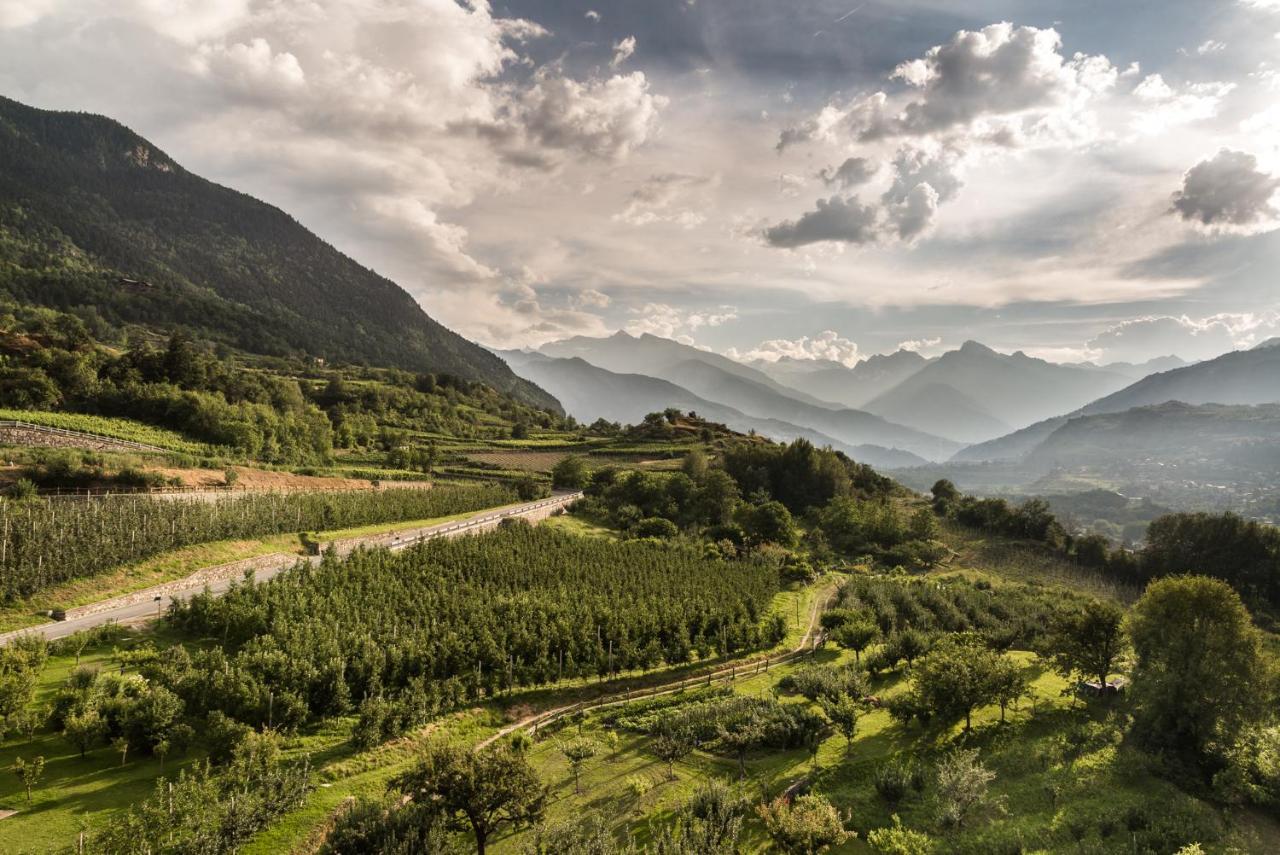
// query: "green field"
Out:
[125,429]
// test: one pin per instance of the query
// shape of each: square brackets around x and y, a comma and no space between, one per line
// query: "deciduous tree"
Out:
[485,789]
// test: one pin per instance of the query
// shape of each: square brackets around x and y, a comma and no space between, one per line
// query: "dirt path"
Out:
[731,671]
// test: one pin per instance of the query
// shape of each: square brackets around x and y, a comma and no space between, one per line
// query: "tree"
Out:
[570,473]
[1199,665]
[945,495]
[909,645]
[712,819]
[856,635]
[958,675]
[843,712]
[484,789]
[29,772]
[83,729]
[695,464]
[528,488]
[806,826]
[770,523]
[161,749]
[923,525]
[741,739]
[1087,642]
[121,745]
[962,786]
[670,747]
[578,752]
[897,839]
[1009,685]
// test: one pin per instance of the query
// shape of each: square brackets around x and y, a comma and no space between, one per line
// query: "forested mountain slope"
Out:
[92,214]
[1239,377]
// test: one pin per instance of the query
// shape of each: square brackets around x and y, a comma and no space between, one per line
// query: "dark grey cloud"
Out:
[853,172]
[1228,192]
[838,219]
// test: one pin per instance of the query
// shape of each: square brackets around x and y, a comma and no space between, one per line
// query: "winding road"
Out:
[129,608]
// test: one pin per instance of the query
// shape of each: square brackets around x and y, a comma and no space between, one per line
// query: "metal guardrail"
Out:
[80,434]
[557,501]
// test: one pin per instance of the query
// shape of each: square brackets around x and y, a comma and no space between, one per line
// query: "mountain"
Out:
[850,426]
[1136,371]
[1015,390]
[648,354]
[852,387]
[589,393]
[1171,432]
[1239,377]
[94,216]
[747,390]
[954,413]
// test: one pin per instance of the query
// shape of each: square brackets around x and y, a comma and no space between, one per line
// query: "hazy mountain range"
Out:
[980,416]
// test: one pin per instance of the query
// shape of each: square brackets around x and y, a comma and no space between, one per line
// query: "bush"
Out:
[655,527]
[893,780]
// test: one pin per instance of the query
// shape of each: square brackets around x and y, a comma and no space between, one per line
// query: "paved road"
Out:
[480,521]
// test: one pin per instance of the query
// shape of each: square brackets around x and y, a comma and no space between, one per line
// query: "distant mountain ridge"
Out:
[998,392]
[750,392]
[852,387]
[1241,377]
[589,392]
[92,214]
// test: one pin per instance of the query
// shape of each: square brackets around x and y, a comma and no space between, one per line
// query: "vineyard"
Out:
[45,543]
[450,621]
[125,429]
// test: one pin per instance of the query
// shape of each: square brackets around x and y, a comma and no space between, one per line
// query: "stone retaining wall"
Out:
[33,436]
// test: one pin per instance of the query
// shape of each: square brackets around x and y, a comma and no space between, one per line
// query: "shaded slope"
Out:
[92,214]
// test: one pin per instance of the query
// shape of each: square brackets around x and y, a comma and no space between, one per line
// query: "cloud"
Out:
[1145,338]
[677,324]
[591,298]
[917,345]
[1001,82]
[853,172]
[603,118]
[837,219]
[790,185]
[657,200]
[1162,107]
[622,51]
[1228,193]
[924,176]
[592,15]
[826,345]
[377,123]
[998,88]
[1209,46]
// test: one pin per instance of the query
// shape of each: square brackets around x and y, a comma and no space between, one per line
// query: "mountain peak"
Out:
[976,348]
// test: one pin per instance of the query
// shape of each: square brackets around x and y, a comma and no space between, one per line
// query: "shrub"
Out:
[893,780]
[962,787]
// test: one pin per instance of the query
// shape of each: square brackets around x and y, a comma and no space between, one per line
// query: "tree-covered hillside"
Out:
[91,214]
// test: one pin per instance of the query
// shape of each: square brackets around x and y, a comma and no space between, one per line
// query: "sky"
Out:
[1078,179]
